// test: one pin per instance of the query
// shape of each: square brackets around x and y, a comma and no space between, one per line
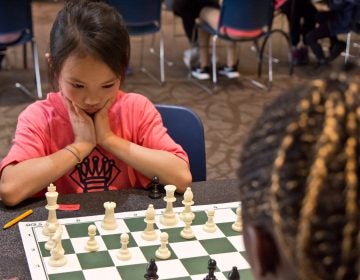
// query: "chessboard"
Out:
[189,258]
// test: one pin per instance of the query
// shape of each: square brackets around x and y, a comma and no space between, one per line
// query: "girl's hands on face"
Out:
[102,123]
[83,128]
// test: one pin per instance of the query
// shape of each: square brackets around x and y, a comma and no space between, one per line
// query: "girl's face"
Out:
[88,82]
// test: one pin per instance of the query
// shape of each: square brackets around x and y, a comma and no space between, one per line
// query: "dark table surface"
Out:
[13,262]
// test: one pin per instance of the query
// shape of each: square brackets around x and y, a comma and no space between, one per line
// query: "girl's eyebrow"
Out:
[75,80]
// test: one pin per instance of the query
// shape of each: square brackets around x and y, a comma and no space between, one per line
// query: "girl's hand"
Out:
[83,128]
[102,124]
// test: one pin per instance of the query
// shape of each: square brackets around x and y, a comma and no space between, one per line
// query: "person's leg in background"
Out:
[211,16]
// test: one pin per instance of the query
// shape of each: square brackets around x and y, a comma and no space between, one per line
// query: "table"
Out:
[12,254]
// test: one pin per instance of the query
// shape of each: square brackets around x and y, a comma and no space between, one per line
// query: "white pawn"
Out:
[210,226]
[237,226]
[57,253]
[51,231]
[124,252]
[149,232]
[163,252]
[187,232]
[109,221]
[91,244]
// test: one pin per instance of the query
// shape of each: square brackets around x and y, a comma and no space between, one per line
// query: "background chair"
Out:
[247,15]
[143,17]
[186,128]
[16,16]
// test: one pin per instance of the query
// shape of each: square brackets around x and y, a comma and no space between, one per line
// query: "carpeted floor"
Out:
[228,114]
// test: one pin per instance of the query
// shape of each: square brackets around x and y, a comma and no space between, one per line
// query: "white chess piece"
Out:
[210,226]
[51,197]
[168,218]
[149,232]
[109,221]
[187,232]
[50,243]
[237,226]
[91,245]
[163,252]
[57,253]
[124,252]
[187,202]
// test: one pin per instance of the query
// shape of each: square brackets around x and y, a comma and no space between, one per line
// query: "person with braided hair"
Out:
[299,184]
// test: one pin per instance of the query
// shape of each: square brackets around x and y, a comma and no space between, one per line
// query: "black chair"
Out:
[16,16]
[143,17]
[186,128]
[247,15]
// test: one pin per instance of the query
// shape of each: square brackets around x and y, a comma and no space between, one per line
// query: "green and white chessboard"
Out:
[188,259]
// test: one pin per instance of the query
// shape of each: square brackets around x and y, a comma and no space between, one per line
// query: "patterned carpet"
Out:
[228,114]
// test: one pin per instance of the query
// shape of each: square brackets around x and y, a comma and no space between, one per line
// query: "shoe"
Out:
[191,56]
[300,56]
[229,72]
[201,73]
[337,49]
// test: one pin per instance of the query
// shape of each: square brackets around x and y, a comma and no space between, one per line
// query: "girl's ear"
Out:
[262,251]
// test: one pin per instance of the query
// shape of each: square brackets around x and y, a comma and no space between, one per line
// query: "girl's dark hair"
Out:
[299,175]
[89,27]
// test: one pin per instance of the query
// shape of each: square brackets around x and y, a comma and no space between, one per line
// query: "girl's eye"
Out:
[77,86]
[108,86]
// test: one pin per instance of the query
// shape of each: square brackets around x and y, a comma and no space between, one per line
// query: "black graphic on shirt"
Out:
[95,172]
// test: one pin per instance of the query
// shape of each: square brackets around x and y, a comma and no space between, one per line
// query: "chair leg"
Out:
[37,70]
[162,58]
[347,50]
[270,61]
[213,59]
[25,56]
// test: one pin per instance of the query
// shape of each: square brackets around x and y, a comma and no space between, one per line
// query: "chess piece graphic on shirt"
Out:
[109,221]
[91,244]
[168,217]
[51,197]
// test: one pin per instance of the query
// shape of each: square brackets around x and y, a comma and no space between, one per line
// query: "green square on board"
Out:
[226,228]
[98,259]
[200,218]
[66,243]
[196,265]
[136,224]
[135,271]
[74,275]
[149,252]
[79,230]
[112,241]
[174,235]
[217,245]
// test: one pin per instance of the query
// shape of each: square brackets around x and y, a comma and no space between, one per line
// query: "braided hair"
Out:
[299,174]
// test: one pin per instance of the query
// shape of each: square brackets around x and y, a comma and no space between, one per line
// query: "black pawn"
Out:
[151,271]
[211,268]
[234,274]
[155,191]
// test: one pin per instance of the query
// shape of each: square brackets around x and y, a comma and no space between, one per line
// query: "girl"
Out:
[89,135]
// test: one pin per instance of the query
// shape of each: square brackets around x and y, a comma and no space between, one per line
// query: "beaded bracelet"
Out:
[74,151]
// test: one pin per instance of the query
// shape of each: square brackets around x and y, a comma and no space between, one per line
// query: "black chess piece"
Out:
[234,274]
[211,268]
[155,191]
[151,271]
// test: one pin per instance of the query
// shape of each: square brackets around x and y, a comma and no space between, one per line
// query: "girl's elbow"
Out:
[184,182]
[8,195]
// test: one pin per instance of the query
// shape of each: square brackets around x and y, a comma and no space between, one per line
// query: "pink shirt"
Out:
[44,128]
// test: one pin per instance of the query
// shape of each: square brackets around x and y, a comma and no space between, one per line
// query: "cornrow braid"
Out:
[298,175]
